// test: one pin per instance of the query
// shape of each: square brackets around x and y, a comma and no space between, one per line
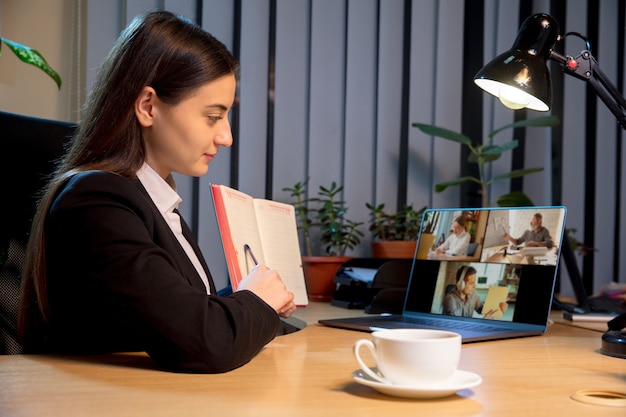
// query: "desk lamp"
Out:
[520,79]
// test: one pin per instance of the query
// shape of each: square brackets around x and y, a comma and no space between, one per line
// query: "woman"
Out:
[110,264]
[457,243]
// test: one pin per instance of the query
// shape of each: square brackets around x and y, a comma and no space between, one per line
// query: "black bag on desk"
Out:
[374,284]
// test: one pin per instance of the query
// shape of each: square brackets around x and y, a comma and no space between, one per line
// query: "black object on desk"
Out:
[384,293]
[614,341]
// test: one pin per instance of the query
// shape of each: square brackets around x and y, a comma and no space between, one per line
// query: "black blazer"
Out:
[118,280]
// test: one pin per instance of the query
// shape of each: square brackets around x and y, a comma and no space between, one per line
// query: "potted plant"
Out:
[485,153]
[395,233]
[325,217]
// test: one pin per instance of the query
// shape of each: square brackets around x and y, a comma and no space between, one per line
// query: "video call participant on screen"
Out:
[462,300]
[457,243]
[536,236]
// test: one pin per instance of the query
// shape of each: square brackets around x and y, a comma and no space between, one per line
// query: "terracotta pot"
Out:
[319,274]
[394,249]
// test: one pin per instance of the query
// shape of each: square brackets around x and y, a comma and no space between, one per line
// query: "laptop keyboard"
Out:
[451,325]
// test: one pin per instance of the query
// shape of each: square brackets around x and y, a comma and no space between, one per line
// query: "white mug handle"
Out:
[370,345]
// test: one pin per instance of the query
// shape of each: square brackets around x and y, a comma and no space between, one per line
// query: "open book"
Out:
[257,230]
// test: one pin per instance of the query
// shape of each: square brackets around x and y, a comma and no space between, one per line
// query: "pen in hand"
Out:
[248,250]
[287,309]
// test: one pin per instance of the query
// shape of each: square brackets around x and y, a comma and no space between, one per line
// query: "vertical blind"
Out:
[329,89]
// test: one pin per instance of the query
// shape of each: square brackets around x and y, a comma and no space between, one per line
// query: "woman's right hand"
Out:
[267,285]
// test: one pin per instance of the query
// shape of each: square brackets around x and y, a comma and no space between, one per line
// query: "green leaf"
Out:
[545,121]
[482,157]
[491,149]
[514,199]
[33,57]
[443,133]
[517,173]
[443,185]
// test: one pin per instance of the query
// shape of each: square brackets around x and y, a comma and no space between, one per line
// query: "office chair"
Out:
[30,148]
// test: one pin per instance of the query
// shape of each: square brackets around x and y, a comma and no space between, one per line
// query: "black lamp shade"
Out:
[520,77]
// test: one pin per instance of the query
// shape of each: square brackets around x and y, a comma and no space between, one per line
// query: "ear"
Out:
[144,106]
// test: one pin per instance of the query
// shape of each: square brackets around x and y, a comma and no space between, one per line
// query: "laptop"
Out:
[448,290]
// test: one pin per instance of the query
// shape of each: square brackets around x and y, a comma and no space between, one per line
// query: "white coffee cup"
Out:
[411,357]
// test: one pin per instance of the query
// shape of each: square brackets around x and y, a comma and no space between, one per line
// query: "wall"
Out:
[329,89]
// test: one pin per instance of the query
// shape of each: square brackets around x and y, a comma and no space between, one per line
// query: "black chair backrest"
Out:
[29,149]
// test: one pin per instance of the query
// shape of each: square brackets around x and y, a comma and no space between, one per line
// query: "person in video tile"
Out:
[458,241]
[536,236]
[462,300]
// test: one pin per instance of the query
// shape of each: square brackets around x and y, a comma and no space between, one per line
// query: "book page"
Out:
[238,227]
[279,235]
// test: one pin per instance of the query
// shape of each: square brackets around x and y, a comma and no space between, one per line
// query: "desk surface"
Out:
[307,373]
[446,257]
[506,259]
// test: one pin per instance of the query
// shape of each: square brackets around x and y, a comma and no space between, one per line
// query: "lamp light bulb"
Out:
[511,104]
[513,98]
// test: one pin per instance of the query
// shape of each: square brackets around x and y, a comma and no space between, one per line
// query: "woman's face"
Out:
[185,137]
[457,229]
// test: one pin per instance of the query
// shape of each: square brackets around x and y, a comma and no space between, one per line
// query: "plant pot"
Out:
[319,275]
[394,249]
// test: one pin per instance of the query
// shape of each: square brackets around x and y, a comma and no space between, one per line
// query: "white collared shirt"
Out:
[167,199]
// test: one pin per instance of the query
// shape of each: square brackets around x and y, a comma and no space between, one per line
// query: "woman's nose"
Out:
[224,137]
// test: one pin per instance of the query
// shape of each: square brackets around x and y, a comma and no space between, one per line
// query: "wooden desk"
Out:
[501,258]
[496,254]
[446,257]
[308,374]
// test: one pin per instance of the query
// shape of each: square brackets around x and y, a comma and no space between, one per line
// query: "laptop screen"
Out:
[497,263]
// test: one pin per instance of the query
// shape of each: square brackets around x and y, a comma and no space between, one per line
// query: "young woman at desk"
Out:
[457,243]
[111,266]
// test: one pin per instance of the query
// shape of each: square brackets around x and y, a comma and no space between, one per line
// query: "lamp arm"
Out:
[586,68]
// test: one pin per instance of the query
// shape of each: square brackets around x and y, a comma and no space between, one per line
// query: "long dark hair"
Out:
[157,49]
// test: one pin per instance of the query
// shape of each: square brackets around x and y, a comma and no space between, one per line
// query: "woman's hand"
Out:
[267,285]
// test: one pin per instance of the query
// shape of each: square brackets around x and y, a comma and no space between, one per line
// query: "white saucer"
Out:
[460,380]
